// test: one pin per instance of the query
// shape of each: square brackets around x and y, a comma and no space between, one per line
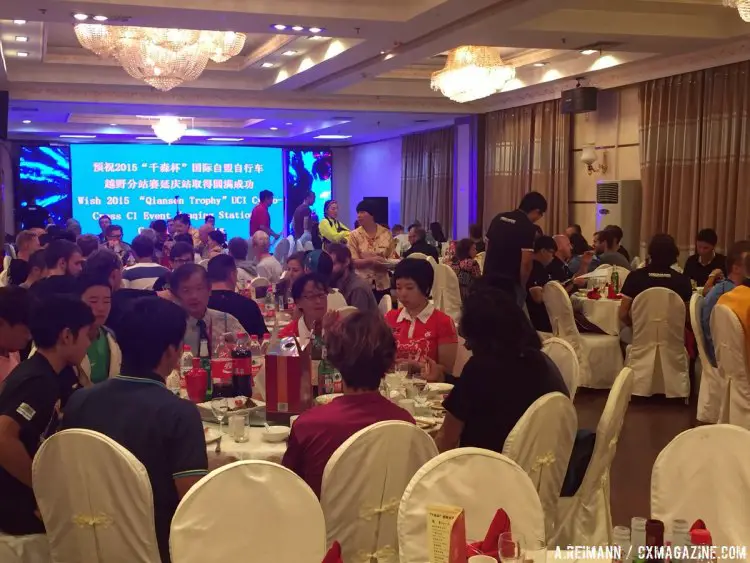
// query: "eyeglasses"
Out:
[182,260]
[315,296]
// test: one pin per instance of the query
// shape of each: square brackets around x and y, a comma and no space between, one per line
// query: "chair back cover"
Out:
[336,300]
[729,340]
[418,255]
[363,484]
[95,498]
[33,548]
[446,291]
[252,511]
[560,312]
[712,386]
[480,481]
[587,519]
[564,357]
[346,311]
[541,443]
[385,305]
[636,262]
[260,282]
[701,474]
[480,260]
[657,355]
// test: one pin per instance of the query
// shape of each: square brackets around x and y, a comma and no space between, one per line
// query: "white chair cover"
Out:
[478,480]
[336,300]
[729,339]
[95,499]
[24,549]
[703,473]
[599,356]
[260,282]
[541,443]
[363,484]
[585,518]
[418,255]
[657,355]
[346,311]
[480,260]
[253,511]
[712,385]
[385,305]
[564,357]
[446,291]
[636,262]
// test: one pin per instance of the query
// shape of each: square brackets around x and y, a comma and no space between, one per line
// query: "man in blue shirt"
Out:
[136,409]
[735,276]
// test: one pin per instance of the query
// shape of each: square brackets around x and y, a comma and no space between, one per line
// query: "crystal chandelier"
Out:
[169,129]
[742,6]
[472,73]
[163,58]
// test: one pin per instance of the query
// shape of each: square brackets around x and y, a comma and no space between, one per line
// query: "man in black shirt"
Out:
[64,261]
[510,243]
[136,409]
[544,252]
[30,402]
[663,252]
[27,242]
[706,261]
[418,242]
[222,273]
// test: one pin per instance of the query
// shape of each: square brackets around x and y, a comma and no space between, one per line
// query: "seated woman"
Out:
[424,334]
[310,294]
[466,268]
[507,372]
[361,348]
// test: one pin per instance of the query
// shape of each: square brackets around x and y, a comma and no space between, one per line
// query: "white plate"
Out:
[439,388]
[325,399]
[276,433]
[207,414]
[211,435]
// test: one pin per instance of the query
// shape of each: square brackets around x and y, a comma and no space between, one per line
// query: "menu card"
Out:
[446,533]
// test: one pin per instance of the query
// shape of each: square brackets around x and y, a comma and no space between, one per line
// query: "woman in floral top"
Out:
[372,245]
[466,268]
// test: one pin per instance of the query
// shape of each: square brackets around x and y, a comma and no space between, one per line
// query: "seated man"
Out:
[735,277]
[15,311]
[419,244]
[136,409]
[706,262]
[189,284]
[266,264]
[544,252]
[356,291]
[663,252]
[606,246]
[618,237]
[145,272]
[238,249]
[64,262]
[30,403]
[320,262]
[361,348]
[222,273]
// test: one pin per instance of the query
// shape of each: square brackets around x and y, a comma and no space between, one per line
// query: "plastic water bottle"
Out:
[680,538]
[621,535]
[637,537]
[270,302]
[256,354]
[186,363]
[266,344]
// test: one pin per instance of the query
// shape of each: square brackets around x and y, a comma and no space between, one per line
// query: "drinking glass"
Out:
[237,428]
[402,369]
[220,407]
[510,547]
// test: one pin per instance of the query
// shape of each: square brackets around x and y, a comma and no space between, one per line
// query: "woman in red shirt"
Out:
[422,332]
[310,294]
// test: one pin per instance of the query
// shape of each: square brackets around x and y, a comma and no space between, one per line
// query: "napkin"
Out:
[488,546]
[594,294]
[334,554]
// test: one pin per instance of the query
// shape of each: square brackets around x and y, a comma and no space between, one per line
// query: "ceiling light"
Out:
[146,138]
[81,17]
[288,123]
[279,27]
[539,65]
[22,54]
[101,18]
[169,129]
[22,38]
[333,137]
[113,124]
[388,56]
[589,52]
[317,38]
[471,73]
[19,22]
[26,121]
[274,128]
[315,29]
[78,136]
[742,6]
[298,28]
[267,65]
[225,139]
[289,53]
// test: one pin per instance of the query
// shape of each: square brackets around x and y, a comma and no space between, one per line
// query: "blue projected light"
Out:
[309,170]
[137,184]
[43,187]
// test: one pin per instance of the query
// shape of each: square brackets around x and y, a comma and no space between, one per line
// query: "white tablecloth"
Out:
[254,449]
[604,313]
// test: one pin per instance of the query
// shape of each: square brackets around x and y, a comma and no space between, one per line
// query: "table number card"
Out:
[446,533]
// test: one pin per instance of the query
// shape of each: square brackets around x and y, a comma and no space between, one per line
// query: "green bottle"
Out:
[205,359]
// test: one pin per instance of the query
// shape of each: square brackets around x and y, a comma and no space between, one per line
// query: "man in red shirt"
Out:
[361,348]
[260,219]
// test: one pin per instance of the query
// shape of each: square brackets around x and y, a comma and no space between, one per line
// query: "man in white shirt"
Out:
[144,273]
[238,249]
[267,266]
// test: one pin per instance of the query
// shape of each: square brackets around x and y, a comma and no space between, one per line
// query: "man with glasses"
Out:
[115,244]
[544,252]
[510,243]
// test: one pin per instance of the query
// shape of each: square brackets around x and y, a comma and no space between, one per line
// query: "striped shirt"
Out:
[143,275]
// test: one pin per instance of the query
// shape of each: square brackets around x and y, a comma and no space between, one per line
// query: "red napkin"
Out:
[594,294]
[488,546]
[698,525]
[334,554]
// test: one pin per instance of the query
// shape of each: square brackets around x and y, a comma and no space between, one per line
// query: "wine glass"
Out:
[510,547]
[220,407]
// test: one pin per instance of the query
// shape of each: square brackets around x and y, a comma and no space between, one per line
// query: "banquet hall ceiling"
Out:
[366,75]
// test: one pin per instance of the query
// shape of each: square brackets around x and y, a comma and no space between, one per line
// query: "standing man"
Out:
[64,262]
[104,223]
[304,218]
[27,242]
[510,243]
[260,218]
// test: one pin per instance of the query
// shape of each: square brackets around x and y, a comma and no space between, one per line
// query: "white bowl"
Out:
[276,433]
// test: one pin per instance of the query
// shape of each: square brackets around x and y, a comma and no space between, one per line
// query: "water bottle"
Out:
[186,363]
[637,537]
[205,363]
[266,344]
[621,535]
[256,355]
[680,539]
[270,302]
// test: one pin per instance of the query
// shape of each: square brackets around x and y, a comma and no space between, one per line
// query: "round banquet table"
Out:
[256,448]
[604,313]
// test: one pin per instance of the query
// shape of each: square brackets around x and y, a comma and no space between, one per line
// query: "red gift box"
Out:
[288,373]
